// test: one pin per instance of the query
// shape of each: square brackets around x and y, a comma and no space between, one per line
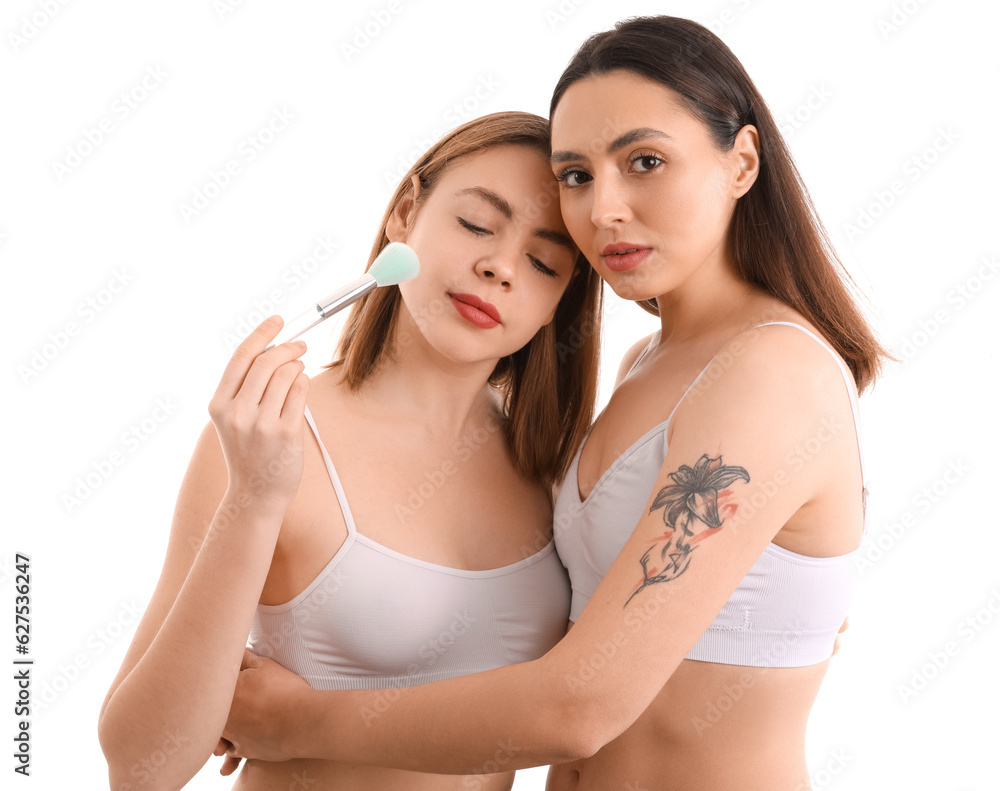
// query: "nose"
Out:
[609,202]
[497,266]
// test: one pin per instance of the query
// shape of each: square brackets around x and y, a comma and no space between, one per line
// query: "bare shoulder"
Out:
[781,375]
[796,350]
[632,355]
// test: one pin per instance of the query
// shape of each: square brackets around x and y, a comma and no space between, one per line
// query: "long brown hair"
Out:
[777,239]
[549,386]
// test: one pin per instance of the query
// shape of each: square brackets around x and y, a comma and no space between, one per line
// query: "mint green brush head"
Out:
[397,263]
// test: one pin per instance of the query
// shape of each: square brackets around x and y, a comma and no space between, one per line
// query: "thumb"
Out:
[250,660]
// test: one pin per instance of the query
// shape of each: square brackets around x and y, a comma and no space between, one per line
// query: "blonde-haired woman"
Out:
[388,522]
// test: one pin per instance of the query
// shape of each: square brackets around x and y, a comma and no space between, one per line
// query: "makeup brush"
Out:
[397,263]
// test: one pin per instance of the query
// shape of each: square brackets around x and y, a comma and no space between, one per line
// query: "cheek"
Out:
[694,207]
[575,215]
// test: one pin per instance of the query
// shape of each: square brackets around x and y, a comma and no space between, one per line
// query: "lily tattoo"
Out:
[697,494]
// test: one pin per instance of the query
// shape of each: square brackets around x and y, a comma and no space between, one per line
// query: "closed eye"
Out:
[545,270]
[474,228]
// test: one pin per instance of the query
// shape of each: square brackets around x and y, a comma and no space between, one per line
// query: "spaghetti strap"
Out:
[652,342]
[690,388]
[338,487]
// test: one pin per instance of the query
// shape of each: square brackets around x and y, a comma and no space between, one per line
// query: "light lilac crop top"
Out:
[786,611]
[375,618]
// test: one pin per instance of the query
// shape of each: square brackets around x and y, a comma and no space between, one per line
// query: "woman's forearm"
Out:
[163,721]
[456,726]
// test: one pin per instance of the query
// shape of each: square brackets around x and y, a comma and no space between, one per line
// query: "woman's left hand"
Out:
[261,712]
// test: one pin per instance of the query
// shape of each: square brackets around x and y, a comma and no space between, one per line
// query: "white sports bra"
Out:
[375,618]
[785,612]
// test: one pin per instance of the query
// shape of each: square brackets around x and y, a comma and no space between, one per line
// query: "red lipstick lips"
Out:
[622,256]
[475,310]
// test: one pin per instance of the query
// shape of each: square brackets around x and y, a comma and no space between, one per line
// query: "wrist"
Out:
[300,727]
[249,508]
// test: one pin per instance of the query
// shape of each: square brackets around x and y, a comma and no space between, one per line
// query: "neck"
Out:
[421,385]
[709,299]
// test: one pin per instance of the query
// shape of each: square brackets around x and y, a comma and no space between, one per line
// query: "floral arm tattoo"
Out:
[697,494]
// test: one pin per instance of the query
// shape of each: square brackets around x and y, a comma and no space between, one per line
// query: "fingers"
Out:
[230,765]
[844,625]
[231,762]
[250,659]
[278,389]
[245,354]
[295,401]
[263,369]
[249,370]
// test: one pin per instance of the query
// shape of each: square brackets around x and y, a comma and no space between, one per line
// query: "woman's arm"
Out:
[172,693]
[733,440]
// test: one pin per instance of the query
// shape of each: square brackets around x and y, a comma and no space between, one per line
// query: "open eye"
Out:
[474,228]
[573,178]
[644,163]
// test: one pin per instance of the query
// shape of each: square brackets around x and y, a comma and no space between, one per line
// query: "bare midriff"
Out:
[712,727]
[318,775]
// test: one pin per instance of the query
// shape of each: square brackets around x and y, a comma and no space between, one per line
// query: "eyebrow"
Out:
[498,202]
[503,206]
[555,237]
[634,136]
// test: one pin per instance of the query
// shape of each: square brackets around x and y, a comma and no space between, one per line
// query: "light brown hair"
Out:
[777,239]
[549,386]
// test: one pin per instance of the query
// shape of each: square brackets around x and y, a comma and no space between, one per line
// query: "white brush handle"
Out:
[325,308]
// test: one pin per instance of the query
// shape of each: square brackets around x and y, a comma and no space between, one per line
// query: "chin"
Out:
[634,292]
[636,286]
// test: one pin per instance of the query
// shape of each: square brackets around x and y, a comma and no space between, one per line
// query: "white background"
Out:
[864,91]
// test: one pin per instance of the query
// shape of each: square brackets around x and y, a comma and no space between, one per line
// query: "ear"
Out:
[746,157]
[400,222]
